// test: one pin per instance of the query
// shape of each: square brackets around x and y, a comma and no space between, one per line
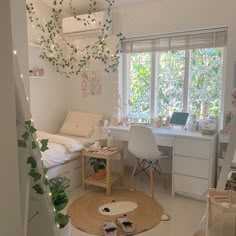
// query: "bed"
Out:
[79,130]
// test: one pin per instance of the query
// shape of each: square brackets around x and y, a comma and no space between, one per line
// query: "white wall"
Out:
[155,17]
[47,95]
[19,34]
[150,17]
[9,174]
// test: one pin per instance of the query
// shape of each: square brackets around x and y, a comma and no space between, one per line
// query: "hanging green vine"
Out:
[56,186]
[66,57]
[31,143]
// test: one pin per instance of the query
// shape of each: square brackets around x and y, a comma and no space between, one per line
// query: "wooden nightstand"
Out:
[111,177]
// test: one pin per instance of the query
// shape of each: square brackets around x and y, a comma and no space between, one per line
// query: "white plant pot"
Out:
[66,231]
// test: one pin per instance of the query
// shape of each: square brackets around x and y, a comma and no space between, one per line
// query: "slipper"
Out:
[109,228]
[126,225]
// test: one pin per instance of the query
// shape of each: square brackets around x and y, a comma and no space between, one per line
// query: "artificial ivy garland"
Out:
[56,46]
[42,145]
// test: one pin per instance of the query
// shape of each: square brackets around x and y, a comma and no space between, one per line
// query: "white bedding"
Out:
[61,148]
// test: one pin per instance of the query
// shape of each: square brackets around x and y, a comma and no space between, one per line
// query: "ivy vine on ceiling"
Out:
[68,58]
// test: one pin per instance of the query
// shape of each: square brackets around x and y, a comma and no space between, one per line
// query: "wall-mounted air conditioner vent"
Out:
[89,25]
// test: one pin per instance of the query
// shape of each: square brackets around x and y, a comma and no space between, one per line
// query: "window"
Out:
[161,79]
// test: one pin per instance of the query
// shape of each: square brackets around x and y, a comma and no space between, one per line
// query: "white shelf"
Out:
[38,77]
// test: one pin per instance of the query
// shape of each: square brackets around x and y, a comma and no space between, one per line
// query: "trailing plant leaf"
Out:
[25,136]
[32,129]
[54,42]
[34,145]
[32,162]
[43,148]
[38,189]
[28,122]
[35,175]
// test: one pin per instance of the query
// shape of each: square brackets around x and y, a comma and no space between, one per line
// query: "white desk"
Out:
[194,158]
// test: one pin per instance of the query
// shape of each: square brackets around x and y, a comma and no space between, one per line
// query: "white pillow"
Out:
[81,123]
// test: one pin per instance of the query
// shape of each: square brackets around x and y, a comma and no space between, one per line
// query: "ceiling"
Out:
[82,6]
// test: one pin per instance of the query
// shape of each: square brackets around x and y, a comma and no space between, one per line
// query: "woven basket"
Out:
[221,217]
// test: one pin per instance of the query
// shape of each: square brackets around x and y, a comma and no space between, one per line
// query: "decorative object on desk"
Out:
[99,167]
[179,118]
[153,122]
[193,124]
[167,123]
[159,122]
[209,126]
[60,199]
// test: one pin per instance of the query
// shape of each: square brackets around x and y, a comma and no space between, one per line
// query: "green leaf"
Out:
[32,130]
[34,145]
[32,162]
[44,148]
[28,122]
[38,189]
[45,171]
[44,142]
[25,136]
[35,175]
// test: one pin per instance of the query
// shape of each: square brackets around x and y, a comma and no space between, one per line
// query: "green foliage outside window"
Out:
[205,83]
[205,76]
[140,85]
[170,82]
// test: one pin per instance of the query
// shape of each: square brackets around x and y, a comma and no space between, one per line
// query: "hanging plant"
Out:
[68,58]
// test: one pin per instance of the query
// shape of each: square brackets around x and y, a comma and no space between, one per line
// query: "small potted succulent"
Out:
[60,199]
[99,167]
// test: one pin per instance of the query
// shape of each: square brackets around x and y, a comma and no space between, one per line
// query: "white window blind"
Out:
[208,38]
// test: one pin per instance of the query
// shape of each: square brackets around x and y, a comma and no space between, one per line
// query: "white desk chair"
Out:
[142,144]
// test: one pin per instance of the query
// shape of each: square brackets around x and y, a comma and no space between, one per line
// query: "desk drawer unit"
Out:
[192,167]
[190,185]
[192,148]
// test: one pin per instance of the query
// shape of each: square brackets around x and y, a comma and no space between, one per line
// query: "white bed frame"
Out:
[70,169]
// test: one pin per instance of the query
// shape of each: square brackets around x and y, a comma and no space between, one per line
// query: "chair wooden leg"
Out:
[151,180]
[133,173]
[161,174]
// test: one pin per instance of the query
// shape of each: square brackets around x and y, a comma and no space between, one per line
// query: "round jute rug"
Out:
[86,211]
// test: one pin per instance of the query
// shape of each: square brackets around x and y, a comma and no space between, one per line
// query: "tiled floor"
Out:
[186,213]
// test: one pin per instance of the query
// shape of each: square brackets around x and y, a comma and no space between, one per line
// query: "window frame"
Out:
[155,57]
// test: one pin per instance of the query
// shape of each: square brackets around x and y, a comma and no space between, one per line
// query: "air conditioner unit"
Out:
[89,25]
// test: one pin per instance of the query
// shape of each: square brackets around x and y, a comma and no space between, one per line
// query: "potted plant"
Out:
[99,167]
[60,199]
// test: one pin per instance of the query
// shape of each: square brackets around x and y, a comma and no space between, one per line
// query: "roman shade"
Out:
[207,38]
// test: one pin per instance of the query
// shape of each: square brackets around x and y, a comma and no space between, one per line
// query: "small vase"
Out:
[100,174]
[66,231]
